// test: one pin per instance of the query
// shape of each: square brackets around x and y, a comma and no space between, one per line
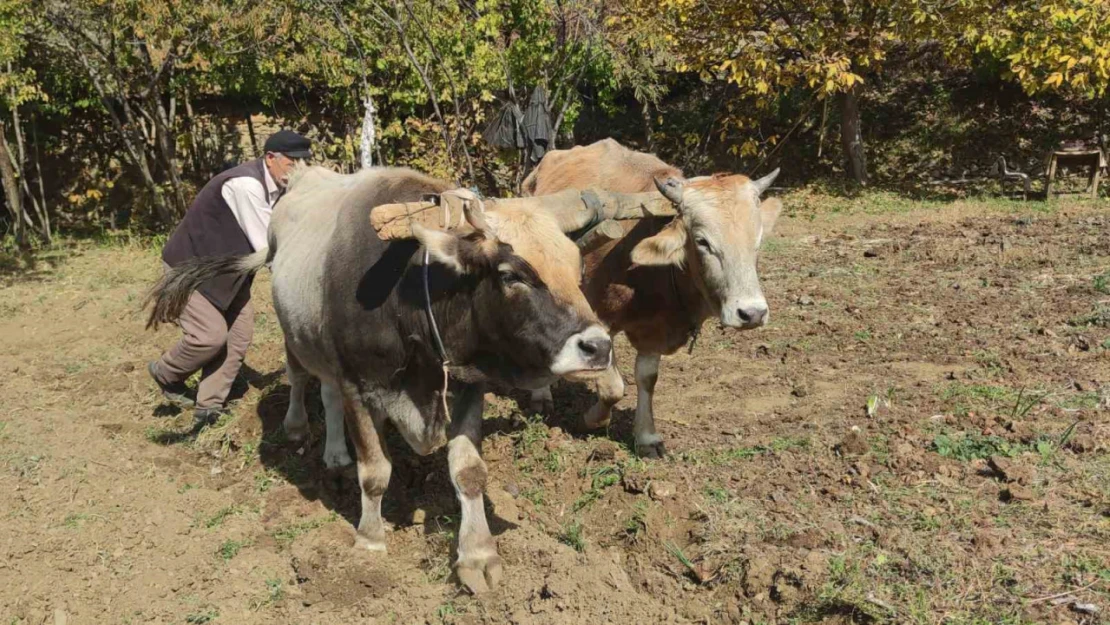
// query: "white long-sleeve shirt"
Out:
[252,203]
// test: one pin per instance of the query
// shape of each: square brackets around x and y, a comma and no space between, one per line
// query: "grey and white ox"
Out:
[506,299]
[664,278]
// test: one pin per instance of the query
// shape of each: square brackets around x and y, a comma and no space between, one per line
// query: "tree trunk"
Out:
[11,189]
[47,231]
[165,143]
[851,138]
[194,135]
[254,137]
[369,134]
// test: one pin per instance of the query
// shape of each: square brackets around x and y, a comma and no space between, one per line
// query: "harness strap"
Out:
[444,360]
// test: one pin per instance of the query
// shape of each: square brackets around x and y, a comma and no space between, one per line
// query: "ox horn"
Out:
[475,213]
[764,183]
[673,189]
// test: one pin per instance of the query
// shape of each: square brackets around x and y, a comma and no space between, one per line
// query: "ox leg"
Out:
[478,566]
[374,467]
[610,390]
[648,443]
[296,418]
[335,446]
[542,401]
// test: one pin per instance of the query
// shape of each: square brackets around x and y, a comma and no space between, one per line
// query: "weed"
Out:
[264,480]
[186,487]
[1101,283]
[200,618]
[716,493]
[675,551]
[603,478]
[553,462]
[724,456]
[972,446]
[286,535]
[637,522]
[535,495]
[1099,317]
[572,536]
[217,519]
[230,548]
[275,592]
[73,521]
[535,430]
[863,335]
[445,610]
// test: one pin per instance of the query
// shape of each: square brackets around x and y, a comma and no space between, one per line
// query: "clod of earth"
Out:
[660,490]
[1015,492]
[1010,471]
[634,484]
[854,444]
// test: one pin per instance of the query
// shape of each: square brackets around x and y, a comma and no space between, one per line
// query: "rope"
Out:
[465,196]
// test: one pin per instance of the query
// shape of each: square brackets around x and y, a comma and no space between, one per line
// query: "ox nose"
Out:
[595,350]
[752,317]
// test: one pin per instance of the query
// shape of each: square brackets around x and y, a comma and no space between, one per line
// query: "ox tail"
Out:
[170,294]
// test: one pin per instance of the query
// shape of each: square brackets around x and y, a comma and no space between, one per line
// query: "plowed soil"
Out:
[920,435]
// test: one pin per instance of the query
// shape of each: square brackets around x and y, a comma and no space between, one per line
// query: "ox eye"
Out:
[703,244]
[509,279]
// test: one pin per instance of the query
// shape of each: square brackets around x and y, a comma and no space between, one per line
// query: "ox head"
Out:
[528,304]
[720,226]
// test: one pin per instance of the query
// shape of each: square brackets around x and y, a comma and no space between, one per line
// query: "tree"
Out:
[18,87]
[768,48]
[140,56]
[1046,45]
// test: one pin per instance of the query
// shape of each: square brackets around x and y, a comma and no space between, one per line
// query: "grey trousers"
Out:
[214,342]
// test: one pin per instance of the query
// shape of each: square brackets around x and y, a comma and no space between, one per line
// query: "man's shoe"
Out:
[203,417]
[174,393]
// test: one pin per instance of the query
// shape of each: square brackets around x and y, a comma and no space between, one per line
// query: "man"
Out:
[230,216]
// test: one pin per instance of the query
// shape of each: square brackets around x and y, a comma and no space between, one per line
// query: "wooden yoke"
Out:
[574,209]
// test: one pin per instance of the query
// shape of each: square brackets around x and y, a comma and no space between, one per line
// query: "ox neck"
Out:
[689,308]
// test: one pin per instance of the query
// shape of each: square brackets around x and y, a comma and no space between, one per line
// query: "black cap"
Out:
[290,144]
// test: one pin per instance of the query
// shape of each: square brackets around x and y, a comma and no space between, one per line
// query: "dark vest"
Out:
[210,229]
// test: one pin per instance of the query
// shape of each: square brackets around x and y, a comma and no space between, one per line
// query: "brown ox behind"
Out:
[665,277]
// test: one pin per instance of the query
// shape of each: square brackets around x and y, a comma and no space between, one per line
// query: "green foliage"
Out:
[972,446]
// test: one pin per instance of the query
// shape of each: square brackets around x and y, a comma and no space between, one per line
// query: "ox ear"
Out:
[769,210]
[666,248]
[443,247]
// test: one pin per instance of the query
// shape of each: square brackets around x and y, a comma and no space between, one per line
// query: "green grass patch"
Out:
[286,535]
[572,535]
[220,516]
[231,548]
[1101,283]
[200,618]
[971,446]
[726,456]
[603,478]
[1099,317]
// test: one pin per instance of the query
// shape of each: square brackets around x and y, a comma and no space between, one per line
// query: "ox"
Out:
[505,300]
[662,280]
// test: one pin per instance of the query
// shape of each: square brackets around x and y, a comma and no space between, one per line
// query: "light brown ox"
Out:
[663,279]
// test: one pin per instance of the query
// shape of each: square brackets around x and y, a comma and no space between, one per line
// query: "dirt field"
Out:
[920,435]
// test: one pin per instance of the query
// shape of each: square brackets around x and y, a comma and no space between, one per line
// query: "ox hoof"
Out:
[596,418]
[480,574]
[651,450]
[374,545]
[295,432]
[336,458]
[544,406]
